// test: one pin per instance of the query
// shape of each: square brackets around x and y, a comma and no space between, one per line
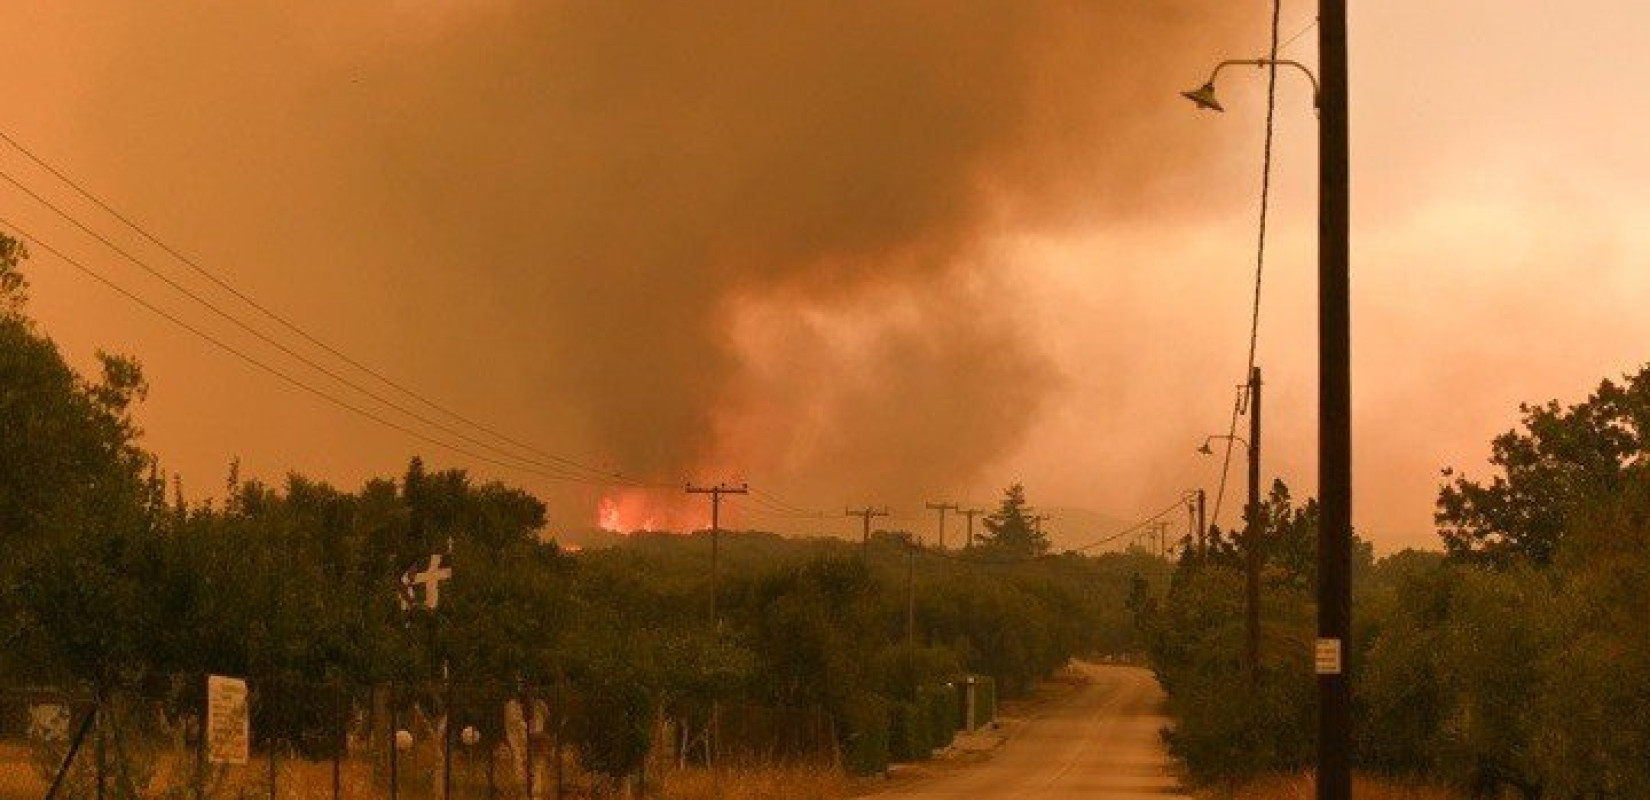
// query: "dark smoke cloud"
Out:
[727,237]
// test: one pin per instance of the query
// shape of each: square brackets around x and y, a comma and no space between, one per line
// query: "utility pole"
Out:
[716,493]
[865,514]
[1202,527]
[942,508]
[1191,524]
[970,514]
[1251,537]
[1334,411]
[1037,523]
[911,593]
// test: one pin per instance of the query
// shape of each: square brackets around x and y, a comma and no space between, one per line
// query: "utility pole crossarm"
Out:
[942,508]
[865,514]
[716,493]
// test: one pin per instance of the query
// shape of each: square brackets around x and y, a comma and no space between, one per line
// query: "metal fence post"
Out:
[340,708]
[99,747]
[395,730]
[527,735]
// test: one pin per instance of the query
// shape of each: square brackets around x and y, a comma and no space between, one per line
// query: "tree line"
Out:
[116,582]
[1513,661]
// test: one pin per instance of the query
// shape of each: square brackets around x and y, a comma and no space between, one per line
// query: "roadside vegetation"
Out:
[1515,663]
[118,588]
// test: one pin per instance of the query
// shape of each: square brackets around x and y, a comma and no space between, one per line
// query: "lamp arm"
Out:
[1263,62]
[1213,437]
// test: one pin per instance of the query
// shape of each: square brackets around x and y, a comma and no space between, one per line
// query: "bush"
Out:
[939,704]
[865,732]
[909,738]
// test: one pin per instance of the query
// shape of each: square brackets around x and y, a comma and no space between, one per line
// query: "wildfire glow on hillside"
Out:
[641,510]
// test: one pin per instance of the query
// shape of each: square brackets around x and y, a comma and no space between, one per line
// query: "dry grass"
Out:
[757,783]
[1299,787]
[18,777]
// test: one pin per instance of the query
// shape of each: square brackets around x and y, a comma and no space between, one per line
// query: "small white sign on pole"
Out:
[228,721]
[1329,657]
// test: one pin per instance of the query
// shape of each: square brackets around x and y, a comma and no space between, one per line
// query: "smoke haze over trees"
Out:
[115,587]
[726,238]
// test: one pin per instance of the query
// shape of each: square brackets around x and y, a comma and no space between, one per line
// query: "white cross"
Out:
[431,579]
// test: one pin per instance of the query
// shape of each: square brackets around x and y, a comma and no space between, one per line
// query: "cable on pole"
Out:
[1260,243]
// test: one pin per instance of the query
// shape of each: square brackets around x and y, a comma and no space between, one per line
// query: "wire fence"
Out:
[332,741]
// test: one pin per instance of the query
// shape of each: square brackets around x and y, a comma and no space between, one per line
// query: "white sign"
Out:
[429,578]
[49,722]
[1329,657]
[228,721]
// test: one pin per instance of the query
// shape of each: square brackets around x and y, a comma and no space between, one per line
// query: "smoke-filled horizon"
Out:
[852,252]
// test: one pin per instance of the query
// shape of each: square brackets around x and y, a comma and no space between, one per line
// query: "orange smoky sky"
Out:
[851,252]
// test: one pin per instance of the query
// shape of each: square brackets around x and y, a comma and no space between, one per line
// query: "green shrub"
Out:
[939,703]
[866,735]
[910,738]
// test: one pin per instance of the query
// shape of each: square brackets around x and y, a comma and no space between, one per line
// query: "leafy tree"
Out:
[1592,716]
[1560,460]
[77,502]
[1011,530]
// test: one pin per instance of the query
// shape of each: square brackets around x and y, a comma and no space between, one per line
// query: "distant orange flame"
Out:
[632,511]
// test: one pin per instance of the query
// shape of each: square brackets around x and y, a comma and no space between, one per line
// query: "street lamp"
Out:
[1208,451]
[1334,777]
[1204,96]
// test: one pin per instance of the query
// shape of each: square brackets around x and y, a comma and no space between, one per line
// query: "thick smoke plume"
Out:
[725,238]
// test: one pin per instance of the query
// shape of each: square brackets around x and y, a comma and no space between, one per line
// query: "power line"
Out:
[1305,29]
[1175,506]
[261,336]
[274,371]
[1260,243]
[284,322]
[779,504]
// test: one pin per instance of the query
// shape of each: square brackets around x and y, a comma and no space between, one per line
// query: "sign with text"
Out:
[1329,657]
[228,721]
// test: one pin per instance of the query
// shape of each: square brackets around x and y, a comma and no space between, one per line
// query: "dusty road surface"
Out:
[1102,743]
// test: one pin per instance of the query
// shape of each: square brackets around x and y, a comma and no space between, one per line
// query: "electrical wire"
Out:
[1260,244]
[1298,34]
[781,505]
[279,374]
[283,321]
[300,357]
[1177,505]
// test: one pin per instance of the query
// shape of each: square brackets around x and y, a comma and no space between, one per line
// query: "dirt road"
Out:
[1100,744]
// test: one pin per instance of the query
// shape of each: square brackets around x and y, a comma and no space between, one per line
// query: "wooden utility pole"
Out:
[1251,537]
[865,514]
[1037,523]
[911,593]
[1334,411]
[716,493]
[942,508]
[970,514]
[1202,526]
[1191,524]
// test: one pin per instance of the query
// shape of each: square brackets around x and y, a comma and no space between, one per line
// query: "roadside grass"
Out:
[757,783]
[1300,787]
